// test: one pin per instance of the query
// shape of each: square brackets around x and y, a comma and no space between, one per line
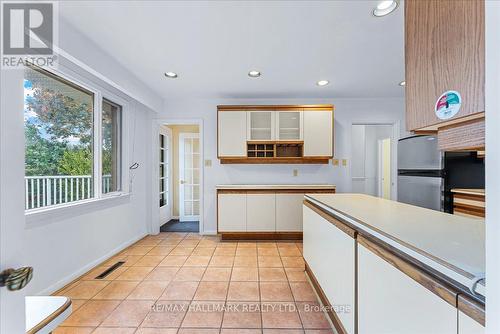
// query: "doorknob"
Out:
[182,181]
[16,279]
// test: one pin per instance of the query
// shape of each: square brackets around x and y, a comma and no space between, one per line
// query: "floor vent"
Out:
[110,270]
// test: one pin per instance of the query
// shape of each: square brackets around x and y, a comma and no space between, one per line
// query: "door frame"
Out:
[164,217]
[380,174]
[181,152]
[395,135]
[155,191]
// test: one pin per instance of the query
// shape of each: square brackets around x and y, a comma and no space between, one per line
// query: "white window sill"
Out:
[51,214]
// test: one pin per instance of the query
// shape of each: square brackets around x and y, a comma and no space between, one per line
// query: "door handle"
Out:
[16,279]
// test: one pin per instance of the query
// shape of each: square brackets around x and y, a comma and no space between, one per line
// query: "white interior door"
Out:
[165,172]
[189,176]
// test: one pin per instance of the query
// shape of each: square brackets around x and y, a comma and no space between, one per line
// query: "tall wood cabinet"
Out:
[444,51]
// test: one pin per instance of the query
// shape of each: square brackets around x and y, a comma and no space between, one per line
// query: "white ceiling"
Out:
[213,44]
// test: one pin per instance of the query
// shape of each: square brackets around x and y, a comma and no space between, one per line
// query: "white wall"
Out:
[61,249]
[346,112]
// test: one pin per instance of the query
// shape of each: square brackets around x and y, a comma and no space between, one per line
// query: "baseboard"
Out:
[337,324]
[70,278]
[261,235]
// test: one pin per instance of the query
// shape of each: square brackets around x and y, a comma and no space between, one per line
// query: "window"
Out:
[111,125]
[164,170]
[60,130]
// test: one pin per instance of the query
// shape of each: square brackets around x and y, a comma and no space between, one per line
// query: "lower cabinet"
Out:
[331,256]
[467,325]
[261,212]
[232,212]
[391,302]
[289,212]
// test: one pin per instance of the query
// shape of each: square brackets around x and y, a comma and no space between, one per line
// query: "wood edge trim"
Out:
[474,197]
[299,160]
[427,281]
[341,226]
[466,121]
[324,300]
[305,107]
[51,317]
[261,235]
[472,308]
[433,128]
[276,191]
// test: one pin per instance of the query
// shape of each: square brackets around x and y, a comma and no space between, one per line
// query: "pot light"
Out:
[171,75]
[254,74]
[385,7]
[322,82]
[402,83]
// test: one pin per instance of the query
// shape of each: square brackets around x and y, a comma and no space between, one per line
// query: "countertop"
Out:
[450,244]
[468,191]
[45,313]
[274,186]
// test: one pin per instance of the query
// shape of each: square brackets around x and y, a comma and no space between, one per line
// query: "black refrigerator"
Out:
[427,175]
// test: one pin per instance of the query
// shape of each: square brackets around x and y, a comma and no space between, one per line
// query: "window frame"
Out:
[85,81]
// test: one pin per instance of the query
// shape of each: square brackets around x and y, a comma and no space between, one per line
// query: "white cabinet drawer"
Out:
[390,302]
[231,211]
[261,212]
[289,212]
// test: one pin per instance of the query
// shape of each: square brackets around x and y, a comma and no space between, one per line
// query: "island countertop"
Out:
[450,244]
[275,186]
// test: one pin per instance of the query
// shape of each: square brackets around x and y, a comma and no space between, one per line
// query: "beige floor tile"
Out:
[221,261]
[145,330]
[319,331]
[114,330]
[225,251]
[182,250]
[166,314]
[280,315]
[243,291]
[312,316]
[92,313]
[272,274]
[191,243]
[169,242]
[246,251]
[77,303]
[214,274]
[242,315]
[289,251]
[243,274]
[73,330]
[160,250]
[296,275]
[240,331]
[189,274]
[207,243]
[303,292]
[173,260]
[266,244]
[227,244]
[203,251]
[268,251]
[92,274]
[180,291]
[211,291]
[247,244]
[282,331]
[130,313]
[270,262]
[162,274]
[135,273]
[275,292]
[197,261]
[198,331]
[138,250]
[148,290]
[86,289]
[149,261]
[203,314]
[245,261]
[293,262]
[117,290]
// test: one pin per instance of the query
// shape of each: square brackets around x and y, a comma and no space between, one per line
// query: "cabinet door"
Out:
[261,212]
[467,325]
[231,212]
[289,125]
[444,51]
[330,253]
[318,133]
[232,131]
[389,301]
[261,125]
[289,212]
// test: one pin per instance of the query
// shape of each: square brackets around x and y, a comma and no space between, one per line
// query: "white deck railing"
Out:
[43,191]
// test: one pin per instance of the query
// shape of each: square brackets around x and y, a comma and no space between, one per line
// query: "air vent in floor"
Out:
[110,270]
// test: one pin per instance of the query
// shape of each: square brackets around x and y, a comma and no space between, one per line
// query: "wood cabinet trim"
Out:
[276,191]
[324,300]
[302,160]
[472,309]
[304,107]
[440,289]
[38,327]
[341,226]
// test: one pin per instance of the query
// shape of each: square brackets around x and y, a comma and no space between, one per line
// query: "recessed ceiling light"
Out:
[322,82]
[254,74]
[402,83]
[171,75]
[385,7]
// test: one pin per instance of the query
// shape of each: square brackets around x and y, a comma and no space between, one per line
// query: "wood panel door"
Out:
[444,50]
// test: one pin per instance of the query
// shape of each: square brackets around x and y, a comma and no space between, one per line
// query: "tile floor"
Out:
[185,283]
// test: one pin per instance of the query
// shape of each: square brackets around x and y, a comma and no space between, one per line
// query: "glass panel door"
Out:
[261,125]
[189,175]
[289,125]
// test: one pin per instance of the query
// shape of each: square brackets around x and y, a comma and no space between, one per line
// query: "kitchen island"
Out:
[395,268]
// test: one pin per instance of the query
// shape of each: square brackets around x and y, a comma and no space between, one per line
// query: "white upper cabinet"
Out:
[289,125]
[232,133]
[261,125]
[318,133]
